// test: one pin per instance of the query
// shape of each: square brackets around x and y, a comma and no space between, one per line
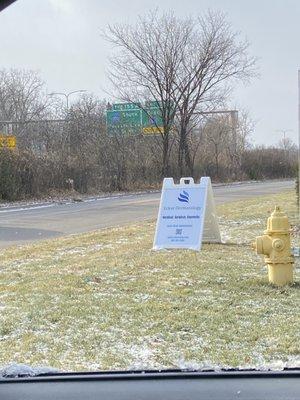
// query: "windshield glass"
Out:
[149,186]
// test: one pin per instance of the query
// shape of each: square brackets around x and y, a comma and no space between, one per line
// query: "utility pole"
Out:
[299,145]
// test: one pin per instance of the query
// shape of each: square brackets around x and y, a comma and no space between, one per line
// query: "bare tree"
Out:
[146,64]
[216,57]
[86,119]
[21,95]
[216,134]
[187,65]
[237,141]
[22,98]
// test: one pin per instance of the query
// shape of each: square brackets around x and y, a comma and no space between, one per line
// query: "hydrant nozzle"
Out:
[275,245]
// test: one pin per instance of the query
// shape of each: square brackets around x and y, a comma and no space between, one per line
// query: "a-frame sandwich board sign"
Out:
[187,215]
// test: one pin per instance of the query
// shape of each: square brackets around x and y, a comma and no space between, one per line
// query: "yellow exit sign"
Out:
[152,130]
[8,141]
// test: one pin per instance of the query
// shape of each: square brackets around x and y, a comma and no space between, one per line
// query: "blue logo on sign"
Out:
[116,117]
[184,197]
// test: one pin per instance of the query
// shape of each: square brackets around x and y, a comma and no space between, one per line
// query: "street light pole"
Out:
[66,95]
[299,145]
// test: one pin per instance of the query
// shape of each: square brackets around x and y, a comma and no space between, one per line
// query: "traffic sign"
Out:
[152,130]
[132,118]
[153,104]
[123,121]
[152,122]
[126,106]
[9,142]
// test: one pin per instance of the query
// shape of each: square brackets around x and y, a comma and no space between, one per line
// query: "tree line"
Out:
[75,146]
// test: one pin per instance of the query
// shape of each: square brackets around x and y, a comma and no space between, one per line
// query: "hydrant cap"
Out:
[278,221]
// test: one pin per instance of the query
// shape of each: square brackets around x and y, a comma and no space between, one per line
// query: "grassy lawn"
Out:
[105,300]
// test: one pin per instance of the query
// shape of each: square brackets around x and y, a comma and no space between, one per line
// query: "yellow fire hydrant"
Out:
[275,245]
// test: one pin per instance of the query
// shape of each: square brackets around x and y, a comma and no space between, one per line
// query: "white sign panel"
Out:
[186,215]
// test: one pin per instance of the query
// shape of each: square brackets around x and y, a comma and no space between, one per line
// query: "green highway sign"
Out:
[152,121]
[123,122]
[152,104]
[126,106]
[132,119]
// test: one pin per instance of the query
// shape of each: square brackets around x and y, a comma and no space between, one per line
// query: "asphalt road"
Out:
[27,224]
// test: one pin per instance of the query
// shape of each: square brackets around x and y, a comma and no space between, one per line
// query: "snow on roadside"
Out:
[15,370]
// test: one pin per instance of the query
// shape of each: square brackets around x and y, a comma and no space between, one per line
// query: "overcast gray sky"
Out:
[61,39]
